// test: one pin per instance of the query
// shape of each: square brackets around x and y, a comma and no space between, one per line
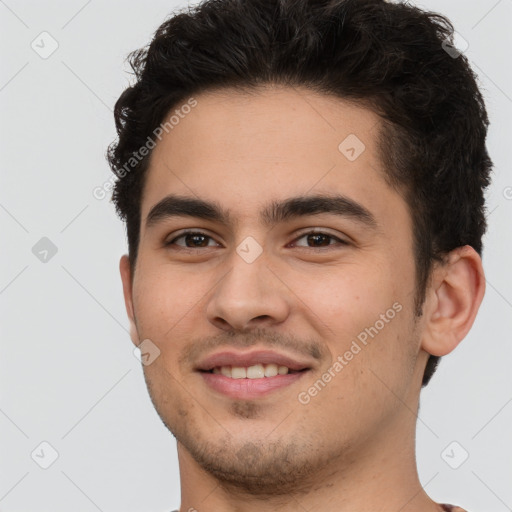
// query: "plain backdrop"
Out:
[68,375]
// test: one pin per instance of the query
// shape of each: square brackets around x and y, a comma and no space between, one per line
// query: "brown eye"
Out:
[318,240]
[193,240]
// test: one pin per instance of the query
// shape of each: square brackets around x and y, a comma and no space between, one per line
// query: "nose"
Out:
[249,295]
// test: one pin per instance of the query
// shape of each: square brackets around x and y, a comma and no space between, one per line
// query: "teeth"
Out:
[225,370]
[238,373]
[257,371]
[282,370]
[270,370]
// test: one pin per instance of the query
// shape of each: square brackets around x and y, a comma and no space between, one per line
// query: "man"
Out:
[302,184]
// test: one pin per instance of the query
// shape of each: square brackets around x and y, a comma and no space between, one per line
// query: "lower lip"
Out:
[249,388]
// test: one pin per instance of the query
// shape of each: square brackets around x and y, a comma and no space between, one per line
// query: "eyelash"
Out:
[302,235]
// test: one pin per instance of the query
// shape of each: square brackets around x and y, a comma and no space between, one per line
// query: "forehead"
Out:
[235,148]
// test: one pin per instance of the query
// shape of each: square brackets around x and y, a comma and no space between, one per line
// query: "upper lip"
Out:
[246,359]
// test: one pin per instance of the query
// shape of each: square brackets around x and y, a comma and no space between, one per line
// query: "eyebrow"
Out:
[273,213]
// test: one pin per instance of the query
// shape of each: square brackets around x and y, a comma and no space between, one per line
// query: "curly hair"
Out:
[391,57]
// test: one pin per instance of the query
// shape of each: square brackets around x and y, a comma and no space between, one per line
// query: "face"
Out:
[322,287]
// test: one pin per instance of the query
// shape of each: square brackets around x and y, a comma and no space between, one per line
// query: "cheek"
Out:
[164,300]
[346,298]
[364,315]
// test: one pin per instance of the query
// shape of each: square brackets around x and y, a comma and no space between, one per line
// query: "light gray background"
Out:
[67,370]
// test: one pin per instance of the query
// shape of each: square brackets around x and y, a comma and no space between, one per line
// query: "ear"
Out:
[126,277]
[454,297]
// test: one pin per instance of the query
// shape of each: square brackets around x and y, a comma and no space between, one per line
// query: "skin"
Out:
[352,446]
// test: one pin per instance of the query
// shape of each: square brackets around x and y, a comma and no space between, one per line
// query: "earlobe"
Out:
[126,278]
[457,290]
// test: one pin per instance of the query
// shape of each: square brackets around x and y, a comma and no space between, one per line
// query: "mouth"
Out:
[250,375]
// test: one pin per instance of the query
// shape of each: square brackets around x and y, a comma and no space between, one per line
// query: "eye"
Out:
[197,240]
[320,239]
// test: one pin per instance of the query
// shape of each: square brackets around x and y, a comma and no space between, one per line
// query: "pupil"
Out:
[195,237]
[316,236]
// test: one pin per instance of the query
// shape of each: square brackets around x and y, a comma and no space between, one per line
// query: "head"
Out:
[274,89]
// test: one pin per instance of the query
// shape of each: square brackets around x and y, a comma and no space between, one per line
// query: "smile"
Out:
[257,371]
